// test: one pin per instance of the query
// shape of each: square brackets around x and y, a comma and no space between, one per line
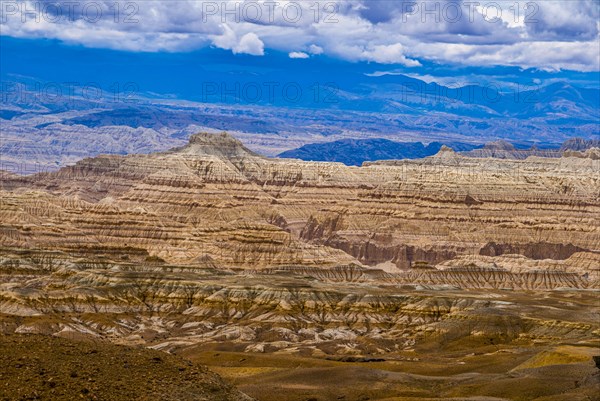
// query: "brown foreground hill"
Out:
[443,278]
[38,367]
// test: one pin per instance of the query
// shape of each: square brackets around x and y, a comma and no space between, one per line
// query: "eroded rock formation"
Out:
[211,242]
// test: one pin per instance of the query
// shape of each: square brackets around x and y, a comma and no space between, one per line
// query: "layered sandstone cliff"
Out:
[216,199]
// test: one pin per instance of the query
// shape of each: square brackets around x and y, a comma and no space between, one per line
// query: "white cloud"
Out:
[552,34]
[298,55]
[316,50]
[389,54]
[545,55]
[249,43]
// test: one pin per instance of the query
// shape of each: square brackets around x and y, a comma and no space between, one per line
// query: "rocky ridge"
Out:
[216,199]
[575,147]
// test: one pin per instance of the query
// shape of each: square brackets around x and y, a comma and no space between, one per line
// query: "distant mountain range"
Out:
[44,132]
[505,150]
[355,152]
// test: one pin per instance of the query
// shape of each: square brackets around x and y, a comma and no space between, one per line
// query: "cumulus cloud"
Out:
[298,55]
[249,43]
[377,11]
[560,21]
[548,56]
[549,34]
[389,54]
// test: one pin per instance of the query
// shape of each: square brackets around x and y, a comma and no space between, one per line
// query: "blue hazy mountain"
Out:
[354,152]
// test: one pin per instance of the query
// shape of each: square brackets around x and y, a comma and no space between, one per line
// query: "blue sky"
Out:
[193,75]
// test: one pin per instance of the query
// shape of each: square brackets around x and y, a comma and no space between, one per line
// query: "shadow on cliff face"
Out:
[533,250]
[380,248]
[403,256]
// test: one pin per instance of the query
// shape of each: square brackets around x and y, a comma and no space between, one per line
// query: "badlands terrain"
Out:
[442,278]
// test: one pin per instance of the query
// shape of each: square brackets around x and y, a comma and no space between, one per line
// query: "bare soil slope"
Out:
[35,367]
